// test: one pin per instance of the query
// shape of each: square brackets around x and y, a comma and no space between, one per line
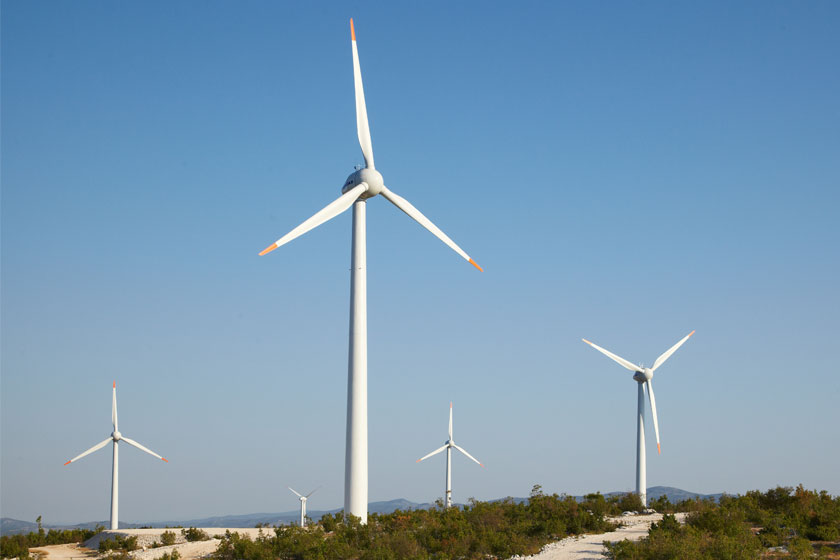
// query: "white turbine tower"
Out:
[302,504]
[448,446]
[644,377]
[360,186]
[115,437]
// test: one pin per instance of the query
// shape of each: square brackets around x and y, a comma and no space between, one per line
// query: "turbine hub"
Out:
[116,435]
[370,176]
[642,376]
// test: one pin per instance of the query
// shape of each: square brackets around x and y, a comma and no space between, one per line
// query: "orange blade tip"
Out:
[67,463]
[115,384]
[164,460]
[268,249]
[417,461]
[472,262]
[659,448]
[482,465]
[586,341]
[352,31]
[691,333]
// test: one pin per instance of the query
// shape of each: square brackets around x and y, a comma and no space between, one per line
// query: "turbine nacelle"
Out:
[371,177]
[116,435]
[642,376]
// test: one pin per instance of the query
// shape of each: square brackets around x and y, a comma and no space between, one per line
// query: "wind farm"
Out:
[624,175]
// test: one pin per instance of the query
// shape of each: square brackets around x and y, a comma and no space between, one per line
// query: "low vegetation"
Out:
[118,543]
[192,534]
[479,530]
[174,555]
[781,522]
[17,546]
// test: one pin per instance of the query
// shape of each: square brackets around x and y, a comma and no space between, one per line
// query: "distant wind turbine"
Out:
[302,504]
[360,185]
[644,377]
[448,446]
[116,437]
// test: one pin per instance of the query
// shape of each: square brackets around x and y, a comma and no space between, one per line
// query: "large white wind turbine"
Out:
[644,377]
[302,504]
[360,186]
[448,446]
[116,437]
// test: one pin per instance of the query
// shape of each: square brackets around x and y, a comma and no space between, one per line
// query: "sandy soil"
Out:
[591,547]
[62,552]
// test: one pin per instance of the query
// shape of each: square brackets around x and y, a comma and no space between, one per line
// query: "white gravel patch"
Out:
[591,547]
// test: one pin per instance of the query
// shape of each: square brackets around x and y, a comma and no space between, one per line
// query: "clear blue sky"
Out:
[623,172]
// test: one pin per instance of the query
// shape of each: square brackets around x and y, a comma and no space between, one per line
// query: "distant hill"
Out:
[676,495]
[10,526]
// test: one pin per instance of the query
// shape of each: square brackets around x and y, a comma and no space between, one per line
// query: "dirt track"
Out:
[591,547]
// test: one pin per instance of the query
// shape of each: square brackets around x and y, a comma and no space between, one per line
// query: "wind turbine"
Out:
[116,437]
[361,185]
[644,377]
[448,446]
[302,504]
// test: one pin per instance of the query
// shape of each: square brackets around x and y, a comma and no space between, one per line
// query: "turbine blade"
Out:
[114,408]
[329,212]
[312,492]
[629,365]
[362,126]
[295,491]
[450,420]
[649,384]
[96,447]
[413,212]
[435,452]
[141,448]
[462,450]
[661,359]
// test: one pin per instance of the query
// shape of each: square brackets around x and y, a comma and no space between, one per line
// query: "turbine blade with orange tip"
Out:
[329,212]
[652,398]
[464,451]
[418,216]
[141,448]
[362,126]
[667,354]
[96,447]
[435,452]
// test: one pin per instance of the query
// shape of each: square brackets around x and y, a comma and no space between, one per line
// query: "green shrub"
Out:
[174,555]
[118,543]
[630,502]
[192,534]
[167,538]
